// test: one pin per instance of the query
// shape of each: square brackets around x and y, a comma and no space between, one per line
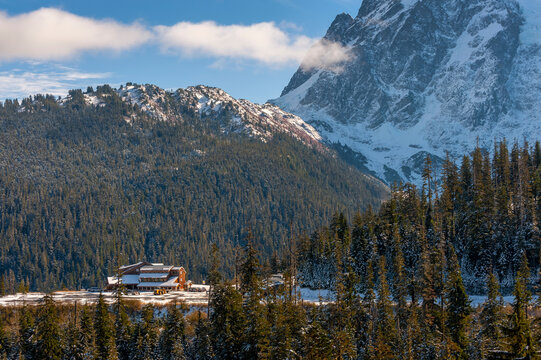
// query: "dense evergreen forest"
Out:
[82,189]
[486,209]
[254,321]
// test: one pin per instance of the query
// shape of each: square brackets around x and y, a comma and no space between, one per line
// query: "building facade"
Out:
[145,276]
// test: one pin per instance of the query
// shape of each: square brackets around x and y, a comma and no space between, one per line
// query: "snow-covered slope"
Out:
[216,107]
[428,76]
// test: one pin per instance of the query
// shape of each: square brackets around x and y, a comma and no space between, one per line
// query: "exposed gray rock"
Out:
[427,75]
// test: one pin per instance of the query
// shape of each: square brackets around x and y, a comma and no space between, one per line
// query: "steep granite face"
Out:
[428,76]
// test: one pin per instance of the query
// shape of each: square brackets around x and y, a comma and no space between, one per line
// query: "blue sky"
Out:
[250,48]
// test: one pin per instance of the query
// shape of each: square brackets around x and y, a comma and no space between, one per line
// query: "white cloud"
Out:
[263,42]
[53,34]
[18,83]
[328,55]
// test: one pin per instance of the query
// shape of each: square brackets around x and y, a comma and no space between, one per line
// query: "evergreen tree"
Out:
[123,331]
[281,337]
[492,315]
[427,285]
[227,322]
[400,289]
[71,335]
[48,344]
[415,341]
[201,347]
[86,347]
[172,336]
[385,344]
[256,334]
[344,310]
[26,334]
[214,276]
[458,308]
[318,343]
[4,341]
[519,333]
[103,327]
[145,342]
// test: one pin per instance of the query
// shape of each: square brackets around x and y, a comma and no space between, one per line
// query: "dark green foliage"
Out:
[257,328]
[346,328]
[123,330]
[77,181]
[80,337]
[86,342]
[172,337]
[26,331]
[228,322]
[487,211]
[4,341]
[519,333]
[103,327]
[458,309]
[145,337]
[492,316]
[202,343]
[386,338]
[318,344]
[48,344]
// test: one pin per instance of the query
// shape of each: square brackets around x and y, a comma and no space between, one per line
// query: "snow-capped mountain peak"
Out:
[428,76]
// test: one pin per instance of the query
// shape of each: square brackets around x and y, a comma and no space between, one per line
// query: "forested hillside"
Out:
[486,209]
[79,185]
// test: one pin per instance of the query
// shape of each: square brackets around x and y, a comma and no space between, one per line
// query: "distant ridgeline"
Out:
[486,209]
[93,176]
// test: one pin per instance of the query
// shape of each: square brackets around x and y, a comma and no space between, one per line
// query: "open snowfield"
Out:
[84,297]
[189,298]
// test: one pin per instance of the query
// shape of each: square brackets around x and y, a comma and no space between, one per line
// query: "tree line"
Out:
[247,318]
[486,208]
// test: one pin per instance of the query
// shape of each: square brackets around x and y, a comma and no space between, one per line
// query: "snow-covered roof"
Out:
[153,275]
[130,266]
[156,268]
[130,279]
[169,283]
[126,280]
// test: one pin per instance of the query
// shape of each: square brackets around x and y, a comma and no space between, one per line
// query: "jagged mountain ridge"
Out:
[216,106]
[428,76]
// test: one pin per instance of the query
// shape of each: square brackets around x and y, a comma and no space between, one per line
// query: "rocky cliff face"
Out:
[427,76]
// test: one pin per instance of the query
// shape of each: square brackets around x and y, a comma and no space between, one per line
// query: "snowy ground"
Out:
[189,298]
[84,297]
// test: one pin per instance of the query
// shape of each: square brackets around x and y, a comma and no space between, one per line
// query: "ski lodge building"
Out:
[145,276]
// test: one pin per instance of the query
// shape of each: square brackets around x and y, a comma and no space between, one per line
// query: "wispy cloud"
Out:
[53,34]
[327,55]
[56,80]
[265,43]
